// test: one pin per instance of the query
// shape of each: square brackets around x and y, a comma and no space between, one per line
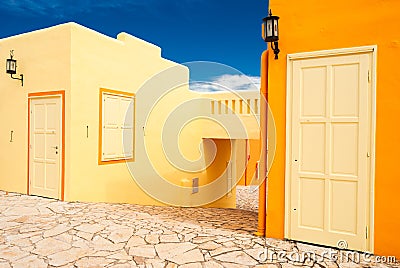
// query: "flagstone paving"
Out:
[40,232]
[247,197]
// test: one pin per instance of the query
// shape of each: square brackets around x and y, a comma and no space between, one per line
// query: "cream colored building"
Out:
[109,120]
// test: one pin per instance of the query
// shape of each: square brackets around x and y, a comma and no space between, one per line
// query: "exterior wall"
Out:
[80,61]
[126,64]
[251,152]
[43,57]
[252,162]
[227,107]
[369,22]
[224,107]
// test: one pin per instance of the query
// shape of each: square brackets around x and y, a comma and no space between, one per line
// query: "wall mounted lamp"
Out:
[11,68]
[270,32]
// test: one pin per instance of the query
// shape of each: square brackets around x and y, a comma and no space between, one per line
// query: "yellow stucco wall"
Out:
[238,110]
[80,61]
[126,64]
[234,123]
[319,25]
[43,57]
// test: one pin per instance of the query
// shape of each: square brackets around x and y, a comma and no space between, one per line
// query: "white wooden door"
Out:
[330,142]
[45,147]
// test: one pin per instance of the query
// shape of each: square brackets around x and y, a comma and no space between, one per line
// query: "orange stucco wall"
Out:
[318,25]
[253,155]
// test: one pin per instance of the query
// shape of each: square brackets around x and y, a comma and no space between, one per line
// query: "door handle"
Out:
[55,147]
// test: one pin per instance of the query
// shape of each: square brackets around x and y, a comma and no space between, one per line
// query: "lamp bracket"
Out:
[275,48]
[21,79]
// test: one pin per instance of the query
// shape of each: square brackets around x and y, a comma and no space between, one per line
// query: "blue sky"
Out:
[223,31]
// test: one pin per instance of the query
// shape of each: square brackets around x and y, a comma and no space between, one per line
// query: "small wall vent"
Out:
[195,185]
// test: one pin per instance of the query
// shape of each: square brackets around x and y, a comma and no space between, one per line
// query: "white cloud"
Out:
[227,82]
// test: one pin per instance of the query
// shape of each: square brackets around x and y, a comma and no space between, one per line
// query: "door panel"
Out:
[344,149]
[343,210]
[312,201]
[329,144]
[345,90]
[45,147]
[314,92]
[313,157]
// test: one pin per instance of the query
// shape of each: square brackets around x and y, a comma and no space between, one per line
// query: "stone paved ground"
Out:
[247,197]
[39,232]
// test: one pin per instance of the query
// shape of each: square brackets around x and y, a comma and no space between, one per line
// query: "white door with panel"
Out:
[45,147]
[329,155]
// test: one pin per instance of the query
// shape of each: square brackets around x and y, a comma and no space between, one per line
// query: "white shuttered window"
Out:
[117,126]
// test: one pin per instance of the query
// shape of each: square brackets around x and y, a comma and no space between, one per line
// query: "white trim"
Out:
[332,52]
[45,96]
[373,146]
[373,85]
[288,149]
[120,95]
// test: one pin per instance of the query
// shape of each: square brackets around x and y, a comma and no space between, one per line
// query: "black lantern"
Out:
[270,32]
[11,68]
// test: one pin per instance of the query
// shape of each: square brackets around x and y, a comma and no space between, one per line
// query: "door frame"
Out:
[49,94]
[372,50]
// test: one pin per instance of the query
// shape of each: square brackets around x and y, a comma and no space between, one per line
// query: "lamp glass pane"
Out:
[276,28]
[263,30]
[269,28]
[11,66]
